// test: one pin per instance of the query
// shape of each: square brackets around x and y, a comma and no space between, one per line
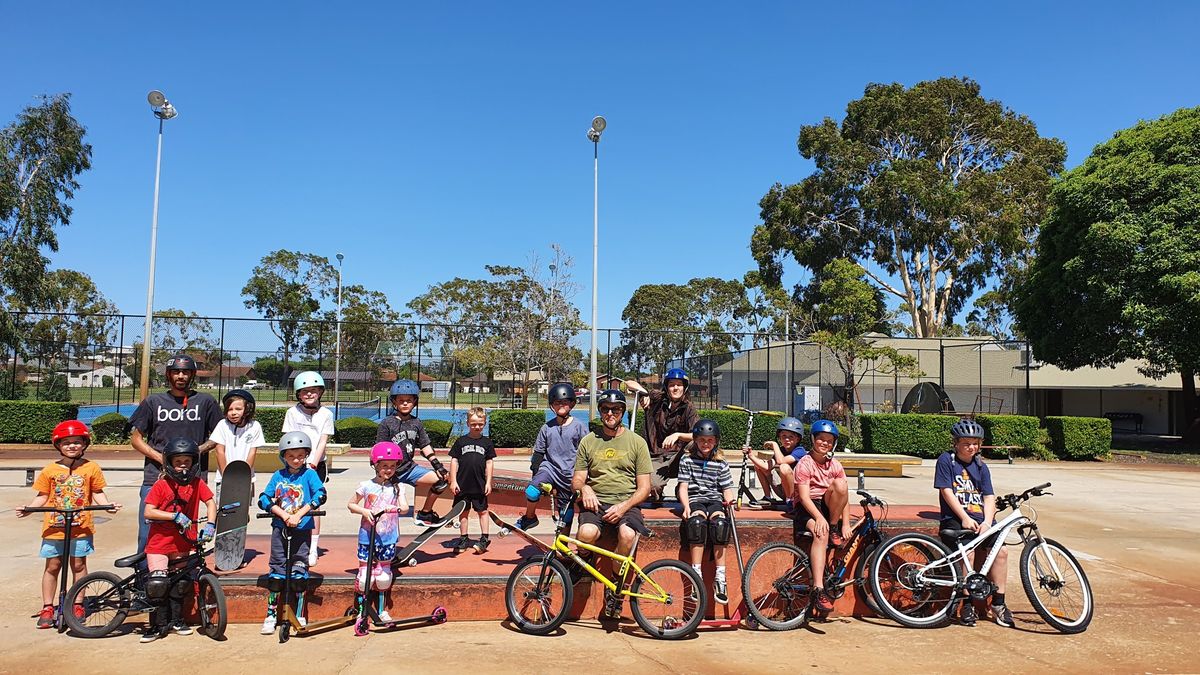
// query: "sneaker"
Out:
[836,540]
[154,633]
[180,628]
[967,615]
[1002,615]
[268,626]
[577,572]
[79,611]
[302,621]
[822,601]
[526,523]
[384,617]
[460,544]
[46,617]
[481,546]
[427,519]
[612,605]
[720,592]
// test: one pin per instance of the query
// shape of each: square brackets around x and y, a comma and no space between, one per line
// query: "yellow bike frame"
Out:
[561,546]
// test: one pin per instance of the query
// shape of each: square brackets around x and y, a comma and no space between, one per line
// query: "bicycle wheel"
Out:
[862,569]
[537,601]
[1066,602]
[210,605]
[684,606]
[777,586]
[911,581]
[105,601]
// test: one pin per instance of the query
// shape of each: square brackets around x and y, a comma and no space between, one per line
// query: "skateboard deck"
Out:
[508,528]
[404,555]
[231,523]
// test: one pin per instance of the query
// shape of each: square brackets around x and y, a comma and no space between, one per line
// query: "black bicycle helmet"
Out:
[176,447]
[563,391]
[246,396]
[706,427]
[611,396]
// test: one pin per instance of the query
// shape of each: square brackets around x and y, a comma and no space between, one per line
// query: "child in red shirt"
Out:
[172,506]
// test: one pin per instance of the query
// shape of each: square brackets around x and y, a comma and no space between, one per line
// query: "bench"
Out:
[1135,418]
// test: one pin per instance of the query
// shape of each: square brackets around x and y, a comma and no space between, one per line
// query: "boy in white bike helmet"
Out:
[968,502]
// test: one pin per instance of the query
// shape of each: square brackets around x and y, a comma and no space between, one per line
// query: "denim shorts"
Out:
[414,474]
[81,547]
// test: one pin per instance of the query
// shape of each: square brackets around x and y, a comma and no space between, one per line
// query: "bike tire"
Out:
[528,590]
[106,601]
[1069,611]
[685,593]
[777,585]
[862,570]
[210,605]
[905,599]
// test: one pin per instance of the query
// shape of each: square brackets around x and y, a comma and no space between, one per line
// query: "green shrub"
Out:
[32,421]
[9,389]
[55,389]
[109,429]
[907,434]
[439,432]
[1011,430]
[515,428]
[359,432]
[1079,437]
[271,420]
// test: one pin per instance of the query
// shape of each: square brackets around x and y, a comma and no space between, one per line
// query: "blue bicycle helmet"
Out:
[404,388]
[824,426]
[790,424]
[675,374]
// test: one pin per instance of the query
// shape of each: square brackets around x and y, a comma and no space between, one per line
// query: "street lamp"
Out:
[337,361]
[164,111]
[593,134]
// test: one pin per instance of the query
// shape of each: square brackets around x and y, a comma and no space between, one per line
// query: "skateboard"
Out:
[405,555]
[230,544]
[508,528]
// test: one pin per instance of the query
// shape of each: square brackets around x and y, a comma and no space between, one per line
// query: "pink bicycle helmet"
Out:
[386,450]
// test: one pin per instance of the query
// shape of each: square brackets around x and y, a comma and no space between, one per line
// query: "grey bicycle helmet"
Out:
[966,429]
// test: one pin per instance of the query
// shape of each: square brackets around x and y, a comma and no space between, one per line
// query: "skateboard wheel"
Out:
[412,562]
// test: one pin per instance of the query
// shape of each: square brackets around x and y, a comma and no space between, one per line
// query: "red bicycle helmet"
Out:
[70,428]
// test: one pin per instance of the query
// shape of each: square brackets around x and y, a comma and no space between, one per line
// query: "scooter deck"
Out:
[512,529]
[404,555]
[230,543]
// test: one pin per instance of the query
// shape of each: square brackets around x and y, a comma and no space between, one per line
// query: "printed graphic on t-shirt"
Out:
[289,496]
[67,492]
[376,497]
[967,494]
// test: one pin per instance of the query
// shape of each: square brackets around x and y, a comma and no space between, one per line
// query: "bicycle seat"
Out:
[130,560]
[958,535]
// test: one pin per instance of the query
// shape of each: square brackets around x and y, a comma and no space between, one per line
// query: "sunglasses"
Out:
[611,410]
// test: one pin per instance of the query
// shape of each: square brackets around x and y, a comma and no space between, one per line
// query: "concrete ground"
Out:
[1134,528]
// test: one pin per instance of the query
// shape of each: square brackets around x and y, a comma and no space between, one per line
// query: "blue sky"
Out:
[426,140]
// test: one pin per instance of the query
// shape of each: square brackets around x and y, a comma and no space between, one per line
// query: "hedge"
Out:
[271,420]
[906,433]
[1079,437]
[439,432]
[1013,430]
[110,428]
[515,428]
[32,421]
[359,432]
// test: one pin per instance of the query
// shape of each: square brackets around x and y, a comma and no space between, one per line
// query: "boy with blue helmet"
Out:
[404,429]
[775,473]
[822,504]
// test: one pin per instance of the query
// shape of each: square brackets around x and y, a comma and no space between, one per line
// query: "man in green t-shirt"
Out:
[612,475]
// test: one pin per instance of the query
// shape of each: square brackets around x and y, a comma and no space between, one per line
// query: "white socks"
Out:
[720,573]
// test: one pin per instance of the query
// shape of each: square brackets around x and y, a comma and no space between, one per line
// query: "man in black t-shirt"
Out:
[471,476]
[180,412]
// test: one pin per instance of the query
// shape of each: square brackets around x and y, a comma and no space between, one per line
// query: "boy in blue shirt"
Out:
[777,473]
[291,493]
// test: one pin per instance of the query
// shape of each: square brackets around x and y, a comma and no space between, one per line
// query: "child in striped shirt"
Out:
[705,487]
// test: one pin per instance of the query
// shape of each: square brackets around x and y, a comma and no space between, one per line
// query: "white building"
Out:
[95,378]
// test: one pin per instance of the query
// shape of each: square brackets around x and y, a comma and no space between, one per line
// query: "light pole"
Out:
[593,134]
[164,111]
[337,361]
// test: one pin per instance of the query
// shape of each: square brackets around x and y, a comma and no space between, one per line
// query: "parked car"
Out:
[254,384]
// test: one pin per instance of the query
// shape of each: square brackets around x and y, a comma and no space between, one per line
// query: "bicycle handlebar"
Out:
[54,509]
[272,515]
[869,499]
[1012,500]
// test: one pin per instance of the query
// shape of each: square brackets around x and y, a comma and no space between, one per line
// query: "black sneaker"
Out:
[481,546]
[1002,615]
[967,615]
[427,519]
[155,633]
[612,605]
[180,628]
[461,544]
[720,592]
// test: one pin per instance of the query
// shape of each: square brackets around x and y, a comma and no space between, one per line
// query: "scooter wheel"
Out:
[361,628]
[438,616]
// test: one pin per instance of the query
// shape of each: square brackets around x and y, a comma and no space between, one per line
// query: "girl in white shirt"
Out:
[238,436]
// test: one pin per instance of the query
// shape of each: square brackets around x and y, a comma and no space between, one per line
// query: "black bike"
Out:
[108,599]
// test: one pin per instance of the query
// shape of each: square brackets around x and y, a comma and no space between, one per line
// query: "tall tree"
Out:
[41,155]
[288,288]
[1117,272]
[931,188]
[668,321]
[71,315]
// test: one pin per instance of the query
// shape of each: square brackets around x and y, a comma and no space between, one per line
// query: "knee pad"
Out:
[158,587]
[181,588]
[381,576]
[695,529]
[718,530]
[533,493]
[274,584]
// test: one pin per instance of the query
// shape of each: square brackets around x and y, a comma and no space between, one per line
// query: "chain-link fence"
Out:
[463,366]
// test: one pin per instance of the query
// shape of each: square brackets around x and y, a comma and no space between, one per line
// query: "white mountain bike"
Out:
[918,582]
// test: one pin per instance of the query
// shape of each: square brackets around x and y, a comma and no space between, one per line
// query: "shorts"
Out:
[632,518]
[81,547]
[562,488]
[477,502]
[415,473]
[708,508]
[802,517]
[383,553]
[662,469]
